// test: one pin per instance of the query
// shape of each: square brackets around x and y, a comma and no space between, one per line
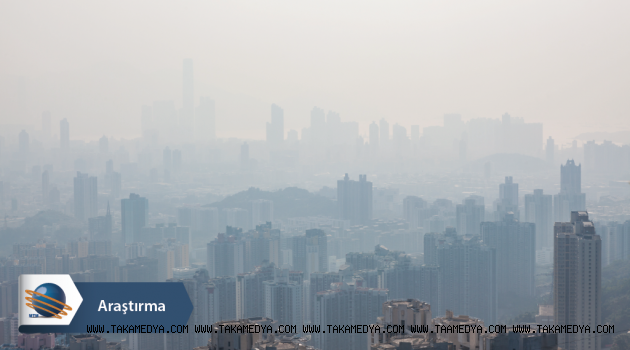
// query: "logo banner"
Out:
[55,304]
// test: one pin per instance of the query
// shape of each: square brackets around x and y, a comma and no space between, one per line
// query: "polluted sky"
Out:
[562,63]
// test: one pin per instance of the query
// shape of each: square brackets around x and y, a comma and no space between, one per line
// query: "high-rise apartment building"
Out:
[550,151]
[384,131]
[64,134]
[225,256]
[103,144]
[469,215]
[319,282]
[539,210]
[374,138]
[577,281]
[508,199]
[411,210]
[354,200]
[284,300]
[515,246]
[85,197]
[134,216]
[250,301]
[310,252]
[468,279]
[275,129]
[346,304]
[570,197]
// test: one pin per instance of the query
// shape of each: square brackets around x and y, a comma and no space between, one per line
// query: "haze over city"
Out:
[562,63]
[314,176]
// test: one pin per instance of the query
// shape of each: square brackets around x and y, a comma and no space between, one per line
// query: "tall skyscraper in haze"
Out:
[354,200]
[508,199]
[188,101]
[469,215]
[64,134]
[284,300]
[570,197]
[577,281]
[85,197]
[550,150]
[103,144]
[346,304]
[205,120]
[135,215]
[384,130]
[411,210]
[515,245]
[374,138]
[539,210]
[275,129]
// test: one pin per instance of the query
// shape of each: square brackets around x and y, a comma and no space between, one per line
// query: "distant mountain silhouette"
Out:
[287,203]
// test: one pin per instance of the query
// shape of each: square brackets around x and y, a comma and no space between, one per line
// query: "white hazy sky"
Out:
[564,63]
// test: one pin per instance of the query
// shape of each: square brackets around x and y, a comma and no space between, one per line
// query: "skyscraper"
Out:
[250,295]
[64,134]
[515,245]
[177,161]
[205,120]
[225,256]
[310,252]
[577,280]
[103,144]
[346,304]
[374,136]
[570,197]
[508,199]
[85,197]
[550,150]
[539,210]
[188,101]
[468,280]
[275,129]
[283,300]
[411,210]
[354,200]
[135,216]
[384,130]
[469,215]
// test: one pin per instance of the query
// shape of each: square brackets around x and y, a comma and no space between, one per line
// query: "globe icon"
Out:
[49,300]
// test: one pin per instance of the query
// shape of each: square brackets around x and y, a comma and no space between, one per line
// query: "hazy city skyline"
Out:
[409,64]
